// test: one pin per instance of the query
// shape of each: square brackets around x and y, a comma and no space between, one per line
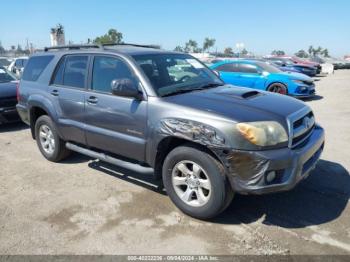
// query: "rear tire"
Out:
[278,88]
[196,182]
[51,146]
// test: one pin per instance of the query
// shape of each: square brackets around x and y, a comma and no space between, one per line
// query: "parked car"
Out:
[264,76]
[18,65]
[288,65]
[167,110]
[5,62]
[307,62]
[8,101]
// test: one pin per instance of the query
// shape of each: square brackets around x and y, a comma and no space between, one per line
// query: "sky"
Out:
[262,25]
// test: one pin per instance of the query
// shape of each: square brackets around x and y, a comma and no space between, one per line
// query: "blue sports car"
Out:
[264,76]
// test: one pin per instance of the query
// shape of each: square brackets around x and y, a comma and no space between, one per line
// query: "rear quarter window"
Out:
[35,66]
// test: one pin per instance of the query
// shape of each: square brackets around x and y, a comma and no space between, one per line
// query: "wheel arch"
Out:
[277,82]
[167,144]
[38,109]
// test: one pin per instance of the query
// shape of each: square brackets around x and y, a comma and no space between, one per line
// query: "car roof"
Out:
[117,49]
[245,61]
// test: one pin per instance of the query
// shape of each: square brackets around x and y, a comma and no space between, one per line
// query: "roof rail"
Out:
[100,46]
[129,44]
[70,47]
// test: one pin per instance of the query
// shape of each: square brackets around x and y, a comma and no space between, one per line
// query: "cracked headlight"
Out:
[265,133]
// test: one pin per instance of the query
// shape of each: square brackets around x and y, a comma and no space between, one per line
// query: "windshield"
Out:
[175,73]
[6,76]
[268,67]
[4,62]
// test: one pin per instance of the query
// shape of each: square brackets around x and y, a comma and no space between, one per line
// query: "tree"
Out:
[244,52]
[310,50]
[19,50]
[278,52]
[179,49]
[301,54]
[228,51]
[325,52]
[112,37]
[191,46]
[208,43]
[2,49]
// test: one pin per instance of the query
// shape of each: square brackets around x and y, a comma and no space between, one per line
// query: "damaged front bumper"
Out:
[250,172]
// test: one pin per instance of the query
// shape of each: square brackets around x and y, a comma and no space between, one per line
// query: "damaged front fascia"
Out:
[244,168]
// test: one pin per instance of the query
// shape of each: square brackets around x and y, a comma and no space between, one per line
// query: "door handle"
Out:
[92,100]
[55,92]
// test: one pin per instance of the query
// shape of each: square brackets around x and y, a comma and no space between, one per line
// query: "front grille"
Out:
[8,102]
[302,128]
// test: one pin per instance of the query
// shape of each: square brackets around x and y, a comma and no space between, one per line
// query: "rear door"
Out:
[68,90]
[249,74]
[113,123]
[229,74]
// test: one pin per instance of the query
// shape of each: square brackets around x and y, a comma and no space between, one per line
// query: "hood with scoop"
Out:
[240,104]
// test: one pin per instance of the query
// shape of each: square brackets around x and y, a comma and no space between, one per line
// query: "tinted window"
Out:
[247,68]
[227,68]
[105,70]
[35,67]
[58,78]
[18,62]
[75,71]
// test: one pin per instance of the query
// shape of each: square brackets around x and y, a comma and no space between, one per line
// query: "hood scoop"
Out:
[250,94]
[242,93]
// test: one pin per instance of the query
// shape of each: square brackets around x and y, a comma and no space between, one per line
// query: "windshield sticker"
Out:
[195,63]
[2,71]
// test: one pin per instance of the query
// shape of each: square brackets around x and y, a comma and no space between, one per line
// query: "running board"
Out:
[107,158]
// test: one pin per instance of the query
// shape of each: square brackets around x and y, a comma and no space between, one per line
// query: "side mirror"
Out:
[125,87]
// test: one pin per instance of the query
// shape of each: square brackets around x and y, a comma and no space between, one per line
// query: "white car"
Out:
[18,65]
[5,62]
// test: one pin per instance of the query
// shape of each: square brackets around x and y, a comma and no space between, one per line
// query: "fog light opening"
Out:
[270,176]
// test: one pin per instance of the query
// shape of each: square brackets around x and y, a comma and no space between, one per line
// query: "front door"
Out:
[113,123]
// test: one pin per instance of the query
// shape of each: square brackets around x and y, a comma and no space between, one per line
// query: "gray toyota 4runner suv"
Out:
[166,110]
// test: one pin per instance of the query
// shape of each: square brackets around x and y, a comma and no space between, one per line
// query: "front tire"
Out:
[196,182]
[278,88]
[51,146]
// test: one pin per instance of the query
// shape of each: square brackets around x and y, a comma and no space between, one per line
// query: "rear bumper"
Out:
[248,170]
[8,115]
[23,113]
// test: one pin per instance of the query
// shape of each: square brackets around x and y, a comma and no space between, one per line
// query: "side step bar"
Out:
[107,158]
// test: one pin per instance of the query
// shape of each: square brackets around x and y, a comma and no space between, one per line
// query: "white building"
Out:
[57,36]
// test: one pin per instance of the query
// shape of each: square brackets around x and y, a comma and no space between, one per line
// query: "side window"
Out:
[105,70]
[247,68]
[227,68]
[19,63]
[58,78]
[35,67]
[75,71]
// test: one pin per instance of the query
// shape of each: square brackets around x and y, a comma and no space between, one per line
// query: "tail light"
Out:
[17,92]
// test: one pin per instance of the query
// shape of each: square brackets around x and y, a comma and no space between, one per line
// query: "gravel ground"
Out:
[82,206]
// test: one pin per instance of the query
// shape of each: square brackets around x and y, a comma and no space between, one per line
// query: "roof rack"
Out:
[129,44]
[99,46]
[70,47]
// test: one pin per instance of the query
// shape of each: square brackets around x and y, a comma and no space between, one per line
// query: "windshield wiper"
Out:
[201,87]
[210,85]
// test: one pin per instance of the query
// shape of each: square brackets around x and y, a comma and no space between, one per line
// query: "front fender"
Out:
[187,130]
